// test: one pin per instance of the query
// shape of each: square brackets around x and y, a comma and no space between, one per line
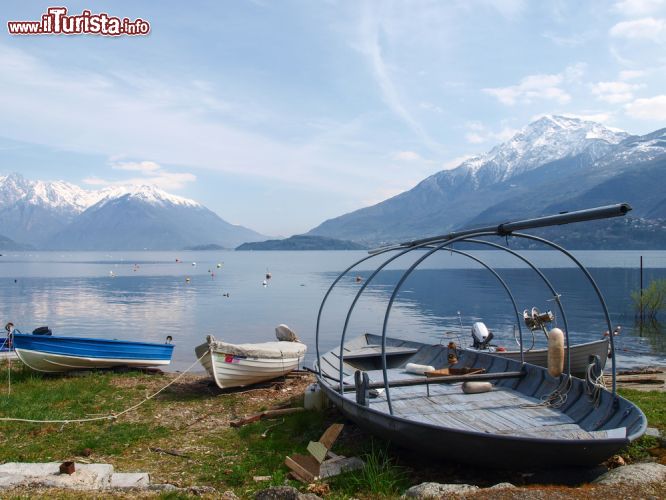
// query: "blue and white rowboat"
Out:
[52,354]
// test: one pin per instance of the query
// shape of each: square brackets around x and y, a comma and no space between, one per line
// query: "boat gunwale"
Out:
[53,338]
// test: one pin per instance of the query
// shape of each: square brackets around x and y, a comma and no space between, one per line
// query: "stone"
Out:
[200,490]
[284,493]
[615,461]
[637,474]
[437,490]
[502,486]
[163,487]
[127,480]
[653,432]
[229,495]
[277,493]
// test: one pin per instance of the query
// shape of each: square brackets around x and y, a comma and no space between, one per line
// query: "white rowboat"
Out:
[239,365]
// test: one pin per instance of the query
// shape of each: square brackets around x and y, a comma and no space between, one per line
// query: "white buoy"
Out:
[555,352]
[476,387]
[264,283]
[194,263]
[418,369]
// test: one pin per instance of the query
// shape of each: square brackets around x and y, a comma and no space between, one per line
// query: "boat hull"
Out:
[580,355]
[53,354]
[453,445]
[230,371]
[508,427]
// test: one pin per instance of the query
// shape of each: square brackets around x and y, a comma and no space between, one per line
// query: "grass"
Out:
[380,476]
[38,396]
[191,419]
[653,405]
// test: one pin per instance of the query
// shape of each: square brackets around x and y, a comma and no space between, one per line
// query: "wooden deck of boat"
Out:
[501,411]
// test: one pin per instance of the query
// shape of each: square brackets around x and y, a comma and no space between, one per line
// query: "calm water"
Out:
[145,296]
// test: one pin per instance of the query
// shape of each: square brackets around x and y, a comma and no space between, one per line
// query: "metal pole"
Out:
[642,305]
[506,228]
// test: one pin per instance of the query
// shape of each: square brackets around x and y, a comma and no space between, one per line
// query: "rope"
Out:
[594,384]
[559,396]
[556,398]
[112,416]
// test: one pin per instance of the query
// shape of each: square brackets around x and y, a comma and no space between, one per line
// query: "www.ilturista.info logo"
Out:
[57,22]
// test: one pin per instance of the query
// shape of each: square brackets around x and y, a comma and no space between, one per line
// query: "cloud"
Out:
[593,116]
[430,107]
[479,133]
[141,166]
[120,115]
[652,108]
[648,28]
[615,92]
[169,181]
[540,86]
[630,74]
[569,41]
[372,29]
[632,8]
[150,173]
[407,156]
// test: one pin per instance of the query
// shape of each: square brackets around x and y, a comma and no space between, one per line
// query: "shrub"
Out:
[652,300]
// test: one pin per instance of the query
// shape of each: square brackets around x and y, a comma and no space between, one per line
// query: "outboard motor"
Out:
[481,335]
[42,330]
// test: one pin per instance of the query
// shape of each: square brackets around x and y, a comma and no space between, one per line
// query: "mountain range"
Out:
[60,215]
[554,164]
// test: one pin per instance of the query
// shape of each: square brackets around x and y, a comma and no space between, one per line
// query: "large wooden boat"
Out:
[528,416]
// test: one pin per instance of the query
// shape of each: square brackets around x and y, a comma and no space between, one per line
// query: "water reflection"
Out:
[74,294]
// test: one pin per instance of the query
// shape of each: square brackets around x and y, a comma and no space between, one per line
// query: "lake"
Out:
[147,296]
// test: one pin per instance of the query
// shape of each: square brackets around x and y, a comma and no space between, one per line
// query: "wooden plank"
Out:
[317,450]
[330,435]
[304,467]
[376,352]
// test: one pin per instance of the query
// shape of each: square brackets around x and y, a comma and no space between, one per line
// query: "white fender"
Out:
[555,352]
[476,387]
[418,369]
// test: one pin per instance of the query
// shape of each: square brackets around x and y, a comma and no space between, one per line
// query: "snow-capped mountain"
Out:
[65,216]
[145,193]
[57,195]
[554,162]
[548,139]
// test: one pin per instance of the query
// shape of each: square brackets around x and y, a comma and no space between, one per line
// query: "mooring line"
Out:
[112,416]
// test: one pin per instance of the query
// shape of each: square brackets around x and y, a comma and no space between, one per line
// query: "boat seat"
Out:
[375,351]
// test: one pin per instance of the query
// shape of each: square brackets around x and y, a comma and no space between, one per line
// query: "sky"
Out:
[278,115]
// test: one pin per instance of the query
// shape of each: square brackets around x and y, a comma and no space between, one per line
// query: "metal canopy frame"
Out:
[444,242]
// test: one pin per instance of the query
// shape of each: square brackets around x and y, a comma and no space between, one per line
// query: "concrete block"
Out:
[29,469]
[9,480]
[126,480]
[86,477]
